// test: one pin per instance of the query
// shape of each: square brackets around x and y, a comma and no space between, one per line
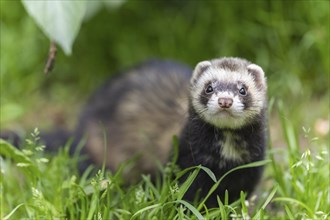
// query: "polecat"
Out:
[226,126]
[218,110]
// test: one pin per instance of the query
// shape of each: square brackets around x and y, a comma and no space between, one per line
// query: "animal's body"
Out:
[139,111]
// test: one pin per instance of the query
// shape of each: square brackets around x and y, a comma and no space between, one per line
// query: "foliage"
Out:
[303,179]
[61,20]
[299,189]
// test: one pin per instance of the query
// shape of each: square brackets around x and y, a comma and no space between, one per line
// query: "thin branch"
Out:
[51,58]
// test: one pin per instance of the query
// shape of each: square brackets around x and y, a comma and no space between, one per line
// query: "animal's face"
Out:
[228,93]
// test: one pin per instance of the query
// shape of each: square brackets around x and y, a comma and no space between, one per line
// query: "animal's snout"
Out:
[225,102]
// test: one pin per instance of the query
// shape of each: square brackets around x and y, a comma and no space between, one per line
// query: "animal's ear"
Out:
[258,75]
[199,69]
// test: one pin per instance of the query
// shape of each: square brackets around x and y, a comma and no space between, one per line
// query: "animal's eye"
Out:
[209,89]
[242,91]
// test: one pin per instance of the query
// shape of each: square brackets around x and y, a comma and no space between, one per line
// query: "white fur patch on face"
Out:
[235,116]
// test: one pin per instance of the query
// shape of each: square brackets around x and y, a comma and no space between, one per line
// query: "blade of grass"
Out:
[223,212]
[289,132]
[9,151]
[216,185]
[288,212]
[144,209]
[175,150]
[192,209]
[93,205]
[291,200]
[210,173]
[187,183]
[151,186]
[264,205]
[270,197]
[244,209]
[13,211]
[226,198]
[27,166]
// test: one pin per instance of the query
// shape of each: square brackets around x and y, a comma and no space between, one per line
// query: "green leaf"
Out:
[187,183]
[192,209]
[9,151]
[269,198]
[175,142]
[297,202]
[145,209]
[216,185]
[151,186]
[210,173]
[59,20]
[13,211]
[222,209]
[288,212]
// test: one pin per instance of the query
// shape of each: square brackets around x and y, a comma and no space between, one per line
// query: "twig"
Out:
[51,58]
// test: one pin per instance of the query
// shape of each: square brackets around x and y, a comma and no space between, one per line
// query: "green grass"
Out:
[34,185]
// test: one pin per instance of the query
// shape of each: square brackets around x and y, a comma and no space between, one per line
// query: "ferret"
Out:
[226,126]
[217,110]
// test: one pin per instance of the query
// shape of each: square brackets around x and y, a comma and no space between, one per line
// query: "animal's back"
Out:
[139,111]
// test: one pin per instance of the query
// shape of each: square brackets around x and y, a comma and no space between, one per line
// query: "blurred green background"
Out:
[289,39]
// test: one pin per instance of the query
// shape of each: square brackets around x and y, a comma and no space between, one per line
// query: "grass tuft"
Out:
[37,185]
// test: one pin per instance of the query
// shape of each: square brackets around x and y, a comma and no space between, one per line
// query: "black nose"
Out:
[225,102]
